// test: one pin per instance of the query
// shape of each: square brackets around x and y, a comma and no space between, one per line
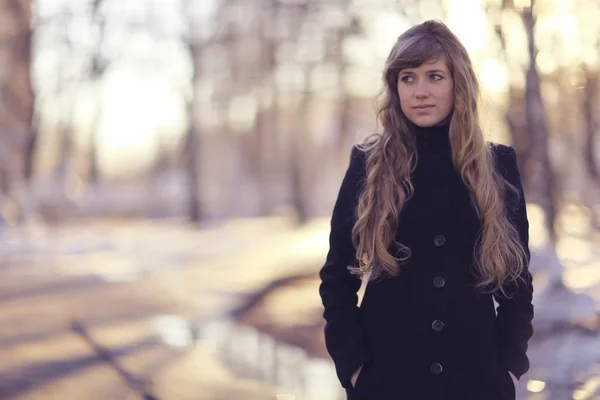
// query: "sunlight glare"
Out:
[538,236]
[493,76]
[581,277]
[569,248]
[588,389]
[389,26]
[135,108]
[535,386]
[173,330]
[468,21]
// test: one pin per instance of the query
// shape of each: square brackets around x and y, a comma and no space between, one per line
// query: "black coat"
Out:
[426,334]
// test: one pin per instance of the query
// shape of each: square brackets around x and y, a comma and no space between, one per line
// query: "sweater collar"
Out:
[433,140]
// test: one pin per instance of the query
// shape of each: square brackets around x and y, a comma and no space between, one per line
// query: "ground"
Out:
[114,309]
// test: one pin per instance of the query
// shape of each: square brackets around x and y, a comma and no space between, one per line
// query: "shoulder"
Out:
[502,150]
[505,157]
[505,160]
[357,159]
[359,152]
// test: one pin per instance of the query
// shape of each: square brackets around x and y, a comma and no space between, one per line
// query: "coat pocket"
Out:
[362,381]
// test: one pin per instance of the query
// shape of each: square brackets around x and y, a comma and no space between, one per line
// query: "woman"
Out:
[434,218]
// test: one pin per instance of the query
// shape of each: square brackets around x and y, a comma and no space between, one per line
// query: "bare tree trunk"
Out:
[515,116]
[65,150]
[264,128]
[19,88]
[542,175]
[277,139]
[5,178]
[516,120]
[194,205]
[24,88]
[193,138]
[344,97]
[298,151]
[94,155]
[260,155]
[99,65]
[18,98]
[31,146]
[590,131]
[296,174]
[65,141]
[590,121]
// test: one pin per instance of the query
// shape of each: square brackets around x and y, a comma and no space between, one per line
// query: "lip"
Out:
[423,106]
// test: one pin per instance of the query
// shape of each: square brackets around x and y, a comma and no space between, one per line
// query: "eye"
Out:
[436,77]
[406,79]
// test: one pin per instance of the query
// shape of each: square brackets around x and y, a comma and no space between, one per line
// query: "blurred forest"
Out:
[258,98]
[210,112]
[217,109]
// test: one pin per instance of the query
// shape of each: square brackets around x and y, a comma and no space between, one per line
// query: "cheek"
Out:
[404,100]
[448,97]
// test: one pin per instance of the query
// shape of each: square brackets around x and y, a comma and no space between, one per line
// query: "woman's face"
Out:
[426,92]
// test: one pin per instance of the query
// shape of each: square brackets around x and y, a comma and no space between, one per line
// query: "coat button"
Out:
[439,240]
[437,325]
[439,282]
[436,368]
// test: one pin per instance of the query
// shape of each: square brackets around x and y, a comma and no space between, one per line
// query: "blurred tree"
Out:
[542,181]
[527,121]
[589,111]
[299,144]
[17,100]
[325,31]
[265,141]
[590,119]
[531,138]
[348,27]
[23,89]
[99,63]
[82,65]
[194,46]
[61,87]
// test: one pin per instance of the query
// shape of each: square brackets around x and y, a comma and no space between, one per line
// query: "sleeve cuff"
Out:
[517,365]
[346,368]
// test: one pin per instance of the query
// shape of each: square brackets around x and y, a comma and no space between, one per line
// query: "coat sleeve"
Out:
[515,314]
[344,336]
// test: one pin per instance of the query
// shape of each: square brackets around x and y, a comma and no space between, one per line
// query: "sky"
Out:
[144,92]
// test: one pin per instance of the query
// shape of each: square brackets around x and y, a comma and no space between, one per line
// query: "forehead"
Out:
[437,62]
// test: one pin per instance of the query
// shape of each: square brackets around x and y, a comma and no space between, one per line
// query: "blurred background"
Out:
[169,168]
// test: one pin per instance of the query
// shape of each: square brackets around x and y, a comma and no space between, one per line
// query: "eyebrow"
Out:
[409,71]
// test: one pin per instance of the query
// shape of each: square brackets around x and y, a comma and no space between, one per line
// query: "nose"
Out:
[421,91]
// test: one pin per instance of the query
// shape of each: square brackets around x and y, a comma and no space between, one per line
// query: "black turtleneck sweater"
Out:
[426,334]
[433,140]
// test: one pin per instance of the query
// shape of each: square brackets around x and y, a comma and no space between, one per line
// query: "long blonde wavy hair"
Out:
[392,157]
